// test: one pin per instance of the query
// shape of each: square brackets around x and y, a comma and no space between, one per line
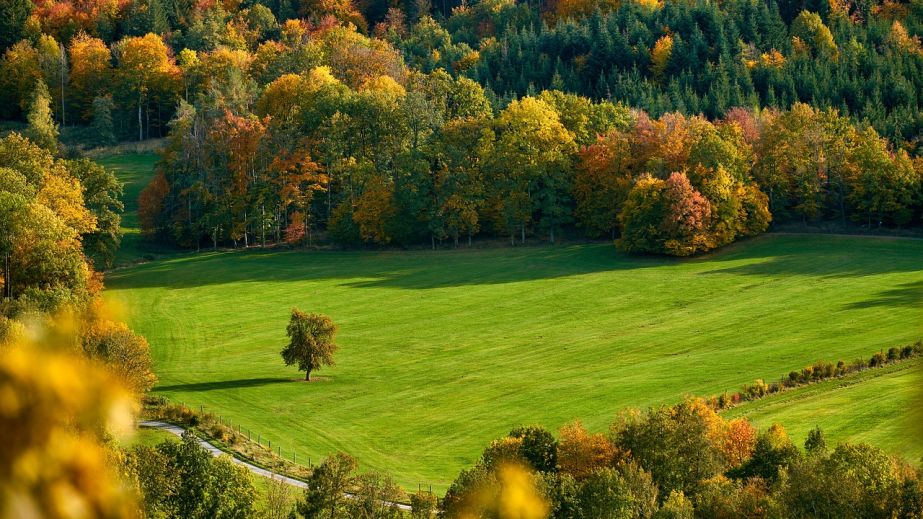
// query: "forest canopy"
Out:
[674,127]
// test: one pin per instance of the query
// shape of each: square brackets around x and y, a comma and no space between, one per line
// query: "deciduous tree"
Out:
[145,67]
[311,342]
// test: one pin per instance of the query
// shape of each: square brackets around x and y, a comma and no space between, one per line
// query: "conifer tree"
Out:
[42,129]
[103,128]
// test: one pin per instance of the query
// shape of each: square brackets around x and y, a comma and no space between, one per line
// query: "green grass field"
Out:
[135,170]
[879,406]
[443,351]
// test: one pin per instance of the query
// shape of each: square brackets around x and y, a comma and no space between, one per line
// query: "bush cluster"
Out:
[816,372]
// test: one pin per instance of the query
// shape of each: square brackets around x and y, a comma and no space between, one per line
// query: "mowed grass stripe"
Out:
[443,351]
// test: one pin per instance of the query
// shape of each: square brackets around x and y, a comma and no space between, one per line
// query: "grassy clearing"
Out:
[150,437]
[135,170]
[876,406]
[443,351]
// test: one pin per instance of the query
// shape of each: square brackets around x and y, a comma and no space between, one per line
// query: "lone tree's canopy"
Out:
[311,342]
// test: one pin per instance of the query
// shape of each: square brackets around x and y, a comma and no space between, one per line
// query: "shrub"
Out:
[907,352]
[774,451]
[538,447]
[756,390]
[877,359]
[893,354]
[807,374]
[422,505]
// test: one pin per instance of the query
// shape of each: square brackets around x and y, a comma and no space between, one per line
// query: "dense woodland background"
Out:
[672,127]
[675,127]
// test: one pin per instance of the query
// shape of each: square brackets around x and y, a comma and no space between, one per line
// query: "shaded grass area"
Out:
[877,406]
[444,351]
[135,171]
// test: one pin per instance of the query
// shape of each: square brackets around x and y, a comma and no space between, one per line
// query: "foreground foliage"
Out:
[685,460]
[183,480]
[57,419]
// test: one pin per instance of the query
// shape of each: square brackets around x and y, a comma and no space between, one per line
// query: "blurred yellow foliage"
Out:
[56,411]
[514,496]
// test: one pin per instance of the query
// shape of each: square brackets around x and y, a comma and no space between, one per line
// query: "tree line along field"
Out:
[443,351]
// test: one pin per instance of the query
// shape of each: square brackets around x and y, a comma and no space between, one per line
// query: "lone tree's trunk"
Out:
[307,375]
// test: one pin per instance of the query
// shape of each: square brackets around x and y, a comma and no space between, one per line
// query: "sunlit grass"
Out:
[443,351]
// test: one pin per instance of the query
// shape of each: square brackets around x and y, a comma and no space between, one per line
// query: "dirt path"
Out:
[215,451]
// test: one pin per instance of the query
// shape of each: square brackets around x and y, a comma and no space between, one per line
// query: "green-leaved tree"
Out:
[42,129]
[311,342]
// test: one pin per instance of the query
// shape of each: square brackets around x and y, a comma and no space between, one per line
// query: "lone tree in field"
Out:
[311,345]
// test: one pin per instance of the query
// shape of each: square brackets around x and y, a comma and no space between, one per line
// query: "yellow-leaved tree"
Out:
[58,410]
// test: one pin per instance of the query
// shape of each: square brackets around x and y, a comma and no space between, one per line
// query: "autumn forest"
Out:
[616,242]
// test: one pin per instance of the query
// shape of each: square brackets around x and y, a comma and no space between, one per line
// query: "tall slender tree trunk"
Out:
[246,238]
[63,70]
[140,121]
[7,283]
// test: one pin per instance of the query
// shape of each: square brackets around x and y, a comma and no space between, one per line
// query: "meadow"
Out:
[134,170]
[443,351]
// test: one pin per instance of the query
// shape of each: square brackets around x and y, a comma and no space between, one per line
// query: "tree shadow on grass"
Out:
[906,294]
[830,257]
[397,269]
[767,255]
[223,384]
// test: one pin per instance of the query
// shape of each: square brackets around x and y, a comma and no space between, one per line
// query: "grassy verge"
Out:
[878,406]
[235,441]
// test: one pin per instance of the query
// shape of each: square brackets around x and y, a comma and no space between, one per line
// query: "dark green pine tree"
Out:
[13,16]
